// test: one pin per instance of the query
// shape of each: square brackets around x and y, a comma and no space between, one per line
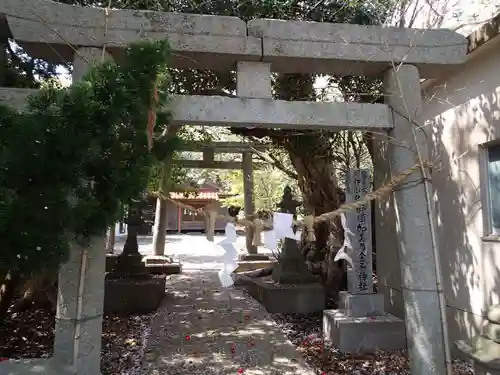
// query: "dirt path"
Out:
[200,330]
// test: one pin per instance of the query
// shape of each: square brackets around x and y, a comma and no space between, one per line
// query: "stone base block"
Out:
[254,257]
[164,269]
[38,366]
[363,334]
[244,266]
[133,296]
[361,304]
[283,298]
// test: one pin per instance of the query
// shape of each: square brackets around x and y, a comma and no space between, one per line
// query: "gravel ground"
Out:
[31,334]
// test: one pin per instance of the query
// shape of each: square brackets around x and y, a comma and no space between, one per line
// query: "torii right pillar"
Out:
[408,144]
[253,80]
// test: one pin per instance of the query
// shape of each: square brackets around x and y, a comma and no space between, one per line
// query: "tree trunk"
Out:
[317,183]
[311,156]
[10,282]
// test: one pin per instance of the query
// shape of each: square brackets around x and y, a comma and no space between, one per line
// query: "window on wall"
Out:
[493,175]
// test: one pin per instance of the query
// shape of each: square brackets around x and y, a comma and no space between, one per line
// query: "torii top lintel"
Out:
[51,30]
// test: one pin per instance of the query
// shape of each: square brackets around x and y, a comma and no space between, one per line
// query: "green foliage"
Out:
[68,161]
[268,188]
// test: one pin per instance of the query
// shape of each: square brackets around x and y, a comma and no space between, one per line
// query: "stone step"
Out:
[481,350]
[352,334]
[492,331]
[164,269]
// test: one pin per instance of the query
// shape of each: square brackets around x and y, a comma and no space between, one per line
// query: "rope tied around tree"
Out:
[211,210]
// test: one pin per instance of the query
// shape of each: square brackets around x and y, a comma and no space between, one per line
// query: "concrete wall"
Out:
[462,112]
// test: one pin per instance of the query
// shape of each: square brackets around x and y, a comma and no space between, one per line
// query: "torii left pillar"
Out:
[80,298]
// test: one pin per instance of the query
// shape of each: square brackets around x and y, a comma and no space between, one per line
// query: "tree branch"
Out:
[275,162]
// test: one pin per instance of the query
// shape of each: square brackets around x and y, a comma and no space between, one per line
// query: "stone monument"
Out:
[291,267]
[360,323]
[360,275]
[129,262]
[129,287]
[291,287]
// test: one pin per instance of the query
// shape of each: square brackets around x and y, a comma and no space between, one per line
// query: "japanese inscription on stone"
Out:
[359,222]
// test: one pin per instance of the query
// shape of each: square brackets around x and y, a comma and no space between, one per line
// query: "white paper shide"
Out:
[230,256]
[282,228]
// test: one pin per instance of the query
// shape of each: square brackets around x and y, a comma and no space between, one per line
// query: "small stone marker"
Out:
[359,222]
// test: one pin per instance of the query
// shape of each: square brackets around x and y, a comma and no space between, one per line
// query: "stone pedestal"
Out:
[285,298]
[352,334]
[361,325]
[291,288]
[129,286]
[131,296]
[361,305]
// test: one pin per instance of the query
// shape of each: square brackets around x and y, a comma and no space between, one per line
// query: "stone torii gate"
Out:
[246,165]
[158,257]
[59,33]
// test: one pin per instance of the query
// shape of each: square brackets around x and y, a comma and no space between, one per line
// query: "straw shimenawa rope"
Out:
[211,211]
